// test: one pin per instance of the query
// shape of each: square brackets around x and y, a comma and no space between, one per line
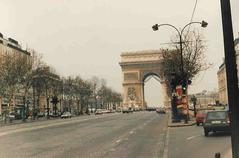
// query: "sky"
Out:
[86,37]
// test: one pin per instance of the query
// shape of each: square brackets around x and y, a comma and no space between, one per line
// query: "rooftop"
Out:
[12,43]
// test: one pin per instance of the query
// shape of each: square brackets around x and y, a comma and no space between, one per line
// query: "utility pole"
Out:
[231,74]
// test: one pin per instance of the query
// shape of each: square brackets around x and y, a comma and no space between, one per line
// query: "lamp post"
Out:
[173,83]
[183,79]
[47,102]
[24,109]
[180,33]
[231,74]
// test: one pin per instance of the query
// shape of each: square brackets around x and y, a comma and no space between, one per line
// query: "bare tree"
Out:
[194,59]
[13,69]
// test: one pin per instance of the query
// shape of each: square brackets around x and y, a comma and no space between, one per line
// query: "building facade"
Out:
[221,75]
[205,98]
[9,46]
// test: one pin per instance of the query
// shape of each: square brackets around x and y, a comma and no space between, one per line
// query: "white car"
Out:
[98,112]
[66,115]
[11,116]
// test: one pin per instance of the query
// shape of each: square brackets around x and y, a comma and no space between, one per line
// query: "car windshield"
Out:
[216,115]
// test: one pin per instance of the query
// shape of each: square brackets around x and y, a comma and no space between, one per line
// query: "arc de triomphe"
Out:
[136,67]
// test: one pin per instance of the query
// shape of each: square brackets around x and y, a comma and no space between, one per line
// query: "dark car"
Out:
[151,109]
[161,110]
[216,121]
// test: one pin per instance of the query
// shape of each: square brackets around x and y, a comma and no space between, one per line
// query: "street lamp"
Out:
[184,82]
[180,33]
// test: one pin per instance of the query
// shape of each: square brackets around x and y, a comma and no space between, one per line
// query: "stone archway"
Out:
[136,67]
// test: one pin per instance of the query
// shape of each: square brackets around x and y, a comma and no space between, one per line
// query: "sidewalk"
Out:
[14,122]
[40,119]
[228,154]
[191,122]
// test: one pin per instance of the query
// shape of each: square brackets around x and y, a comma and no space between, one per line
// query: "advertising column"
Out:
[182,102]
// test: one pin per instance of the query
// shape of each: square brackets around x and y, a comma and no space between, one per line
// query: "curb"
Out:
[22,122]
[181,125]
[2,124]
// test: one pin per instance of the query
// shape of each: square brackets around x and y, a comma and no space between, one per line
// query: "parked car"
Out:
[127,110]
[40,114]
[14,116]
[216,121]
[54,114]
[136,108]
[161,110]
[118,110]
[11,116]
[151,109]
[98,112]
[66,115]
[200,116]
[105,111]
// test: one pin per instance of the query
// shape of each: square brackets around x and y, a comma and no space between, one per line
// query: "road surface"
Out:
[139,134]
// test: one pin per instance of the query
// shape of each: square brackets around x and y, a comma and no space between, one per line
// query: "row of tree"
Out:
[28,76]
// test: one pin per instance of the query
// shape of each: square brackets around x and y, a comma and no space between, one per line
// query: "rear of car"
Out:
[200,117]
[66,115]
[125,110]
[216,121]
[161,110]
[98,112]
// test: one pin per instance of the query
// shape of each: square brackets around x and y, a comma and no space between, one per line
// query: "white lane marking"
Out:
[112,149]
[192,137]
[118,141]
[131,132]
[165,151]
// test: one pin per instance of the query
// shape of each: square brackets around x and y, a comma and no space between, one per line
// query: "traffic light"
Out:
[184,86]
[54,100]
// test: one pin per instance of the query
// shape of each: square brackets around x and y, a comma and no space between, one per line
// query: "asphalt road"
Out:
[190,142]
[136,135]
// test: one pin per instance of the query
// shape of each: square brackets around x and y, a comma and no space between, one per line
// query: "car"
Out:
[40,114]
[106,111]
[52,114]
[127,110]
[136,108]
[150,109]
[118,110]
[98,112]
[11,116]
[14,116]
[160,110]
[66,115]
[217,120]
[200,116]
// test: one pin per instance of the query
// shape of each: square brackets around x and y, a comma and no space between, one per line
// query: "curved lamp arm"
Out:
[203,24]
[156,26]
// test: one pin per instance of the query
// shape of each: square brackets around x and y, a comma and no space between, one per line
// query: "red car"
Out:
[200,117]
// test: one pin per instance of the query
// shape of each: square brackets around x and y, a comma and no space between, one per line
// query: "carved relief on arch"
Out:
[132,93]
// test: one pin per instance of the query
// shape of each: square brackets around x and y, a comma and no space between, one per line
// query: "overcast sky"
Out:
[86,37]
